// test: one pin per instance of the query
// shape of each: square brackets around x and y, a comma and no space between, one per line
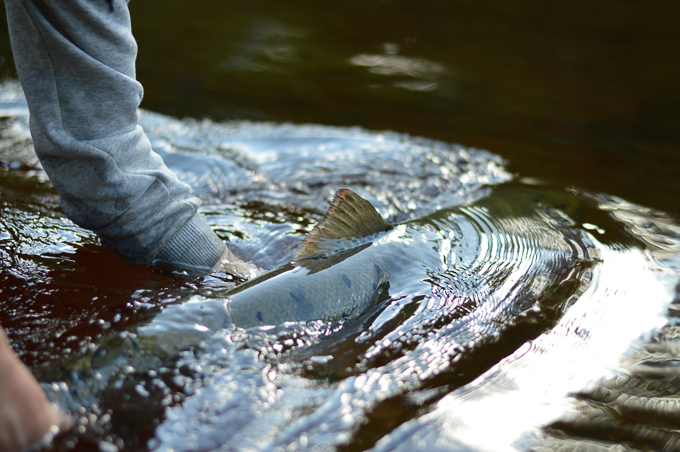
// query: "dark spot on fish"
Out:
[259,316]
[378,270]
[347,280]
[298,297]
[303,307]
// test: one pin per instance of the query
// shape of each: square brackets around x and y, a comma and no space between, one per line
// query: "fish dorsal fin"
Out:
[349,216]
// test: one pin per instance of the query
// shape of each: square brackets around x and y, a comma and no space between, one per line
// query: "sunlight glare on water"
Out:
[531,387]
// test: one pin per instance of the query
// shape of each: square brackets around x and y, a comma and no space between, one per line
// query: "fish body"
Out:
[336,286]
[508,248]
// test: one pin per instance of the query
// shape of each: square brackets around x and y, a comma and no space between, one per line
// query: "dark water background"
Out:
[572,94]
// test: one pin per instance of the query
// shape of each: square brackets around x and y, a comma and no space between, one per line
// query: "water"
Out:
[420,368]
[575,95]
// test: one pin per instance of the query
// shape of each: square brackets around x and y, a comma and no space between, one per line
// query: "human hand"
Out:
[233,265]
[26,416]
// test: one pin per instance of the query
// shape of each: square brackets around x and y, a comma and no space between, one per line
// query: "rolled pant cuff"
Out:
[195,248]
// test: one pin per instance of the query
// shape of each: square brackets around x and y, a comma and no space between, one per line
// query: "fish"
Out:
[353,255]
[504,252]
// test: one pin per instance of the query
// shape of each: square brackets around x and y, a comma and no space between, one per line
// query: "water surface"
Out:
[578,97]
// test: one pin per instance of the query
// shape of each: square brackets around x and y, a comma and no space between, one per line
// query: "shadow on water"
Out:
[519,297]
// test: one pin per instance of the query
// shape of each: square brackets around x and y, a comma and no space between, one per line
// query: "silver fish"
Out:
[509,248]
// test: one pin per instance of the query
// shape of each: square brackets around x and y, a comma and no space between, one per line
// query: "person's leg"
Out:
[26,416]
[76,63]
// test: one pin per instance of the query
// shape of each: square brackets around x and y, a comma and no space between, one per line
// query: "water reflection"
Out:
[426,73]
[532,386]
[268,47]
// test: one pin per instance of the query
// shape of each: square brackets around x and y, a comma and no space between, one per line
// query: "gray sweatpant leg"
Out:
[76,63]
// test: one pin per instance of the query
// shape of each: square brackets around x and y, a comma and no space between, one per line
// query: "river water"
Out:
[580,97]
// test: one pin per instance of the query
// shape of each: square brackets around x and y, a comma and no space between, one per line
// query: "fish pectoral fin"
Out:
[349,216]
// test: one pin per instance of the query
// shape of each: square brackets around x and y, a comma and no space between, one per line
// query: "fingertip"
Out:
[64,421]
